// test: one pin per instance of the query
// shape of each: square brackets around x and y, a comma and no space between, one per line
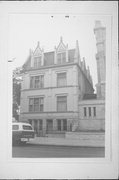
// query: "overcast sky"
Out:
[25,30]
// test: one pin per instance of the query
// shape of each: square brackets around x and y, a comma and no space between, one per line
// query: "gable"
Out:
[61,47]
[37,52]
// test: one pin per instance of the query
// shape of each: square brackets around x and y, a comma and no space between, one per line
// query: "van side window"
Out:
[27,127]
[15,127]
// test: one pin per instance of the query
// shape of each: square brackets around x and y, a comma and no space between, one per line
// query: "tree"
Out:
[17,78]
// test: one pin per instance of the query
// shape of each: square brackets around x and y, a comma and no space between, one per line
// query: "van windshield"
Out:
[27,127]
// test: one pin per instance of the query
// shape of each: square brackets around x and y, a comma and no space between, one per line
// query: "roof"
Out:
[27,64]
[89,96]
[23,123]
[49,58]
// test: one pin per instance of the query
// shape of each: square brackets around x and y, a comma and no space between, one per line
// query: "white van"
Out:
[21,132]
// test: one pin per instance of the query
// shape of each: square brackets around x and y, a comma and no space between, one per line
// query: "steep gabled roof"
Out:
[71,55]
[89,96]
[27,64]
[49,59]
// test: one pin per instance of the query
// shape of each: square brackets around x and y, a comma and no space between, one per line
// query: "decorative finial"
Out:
[77,42]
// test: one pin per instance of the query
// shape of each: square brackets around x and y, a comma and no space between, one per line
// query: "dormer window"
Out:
[61,57]
[61,53]
[37,62]
[37,57]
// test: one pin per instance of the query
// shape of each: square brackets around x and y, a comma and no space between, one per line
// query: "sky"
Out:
[25,30]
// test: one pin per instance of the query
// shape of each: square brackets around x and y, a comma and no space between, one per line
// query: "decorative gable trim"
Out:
[37,53]
[62,48]
[38,50]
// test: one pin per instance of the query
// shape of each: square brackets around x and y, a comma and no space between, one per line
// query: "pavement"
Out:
[66,142]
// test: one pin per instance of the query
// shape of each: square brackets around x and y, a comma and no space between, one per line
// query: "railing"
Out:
[53,131]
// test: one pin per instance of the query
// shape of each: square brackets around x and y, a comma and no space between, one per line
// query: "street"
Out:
[49,151]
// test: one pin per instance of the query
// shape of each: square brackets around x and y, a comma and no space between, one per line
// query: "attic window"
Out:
[61,57]
[37,62]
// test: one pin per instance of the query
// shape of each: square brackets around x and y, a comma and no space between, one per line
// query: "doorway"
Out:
[49,125]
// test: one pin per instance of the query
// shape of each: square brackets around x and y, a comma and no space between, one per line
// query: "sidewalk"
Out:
[66,142]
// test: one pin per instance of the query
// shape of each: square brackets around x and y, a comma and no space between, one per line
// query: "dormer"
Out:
[37,58]
[61,53]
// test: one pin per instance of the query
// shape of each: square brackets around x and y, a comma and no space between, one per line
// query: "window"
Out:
[37,62]
[36,104]
[31,104]
[61,124]
[64,124]
[85,113]
[61,103]
[61,57]
[37,82]
[94,111]
[27,127]
[40,124]
[89,109]
[61,79]
[41,104]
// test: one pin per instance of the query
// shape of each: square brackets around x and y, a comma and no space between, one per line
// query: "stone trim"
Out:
[48,88]
[46,112]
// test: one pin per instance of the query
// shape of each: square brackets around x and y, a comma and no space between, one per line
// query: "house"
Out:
[53,85]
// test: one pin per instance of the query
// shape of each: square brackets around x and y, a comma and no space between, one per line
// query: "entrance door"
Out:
[36,126]
[49,125]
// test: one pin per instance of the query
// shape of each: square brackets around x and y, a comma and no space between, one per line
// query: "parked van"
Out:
[21,132]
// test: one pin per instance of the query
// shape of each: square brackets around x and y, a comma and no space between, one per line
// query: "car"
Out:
[21,132]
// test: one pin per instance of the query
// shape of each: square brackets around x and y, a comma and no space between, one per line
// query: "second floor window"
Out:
[89,109]
[37,82]
[62,103]
[36,104]
[37,62]
[61,57]
[94,111]
[85,113]
[61,79]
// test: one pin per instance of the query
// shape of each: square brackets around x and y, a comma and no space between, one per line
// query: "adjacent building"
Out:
[92,109]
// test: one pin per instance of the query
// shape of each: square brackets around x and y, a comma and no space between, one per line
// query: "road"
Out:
[48,151]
